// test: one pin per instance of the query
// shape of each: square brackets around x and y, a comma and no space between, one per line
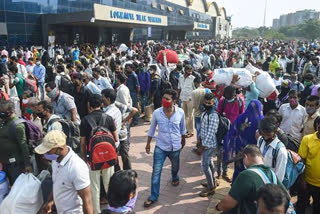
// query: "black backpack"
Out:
[223,128]
[66,85]
[72,132]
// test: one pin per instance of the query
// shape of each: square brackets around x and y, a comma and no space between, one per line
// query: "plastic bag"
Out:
[264,82]
[123,48]
[225,75]
[25,196]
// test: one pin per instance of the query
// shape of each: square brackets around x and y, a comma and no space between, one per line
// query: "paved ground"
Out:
[181,199]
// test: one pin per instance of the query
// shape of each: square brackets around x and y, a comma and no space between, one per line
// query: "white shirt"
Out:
[186,85]
[123,95]
[102,83]
[292,120]
[69,176]
[278,82]
[281,163]
[30,68]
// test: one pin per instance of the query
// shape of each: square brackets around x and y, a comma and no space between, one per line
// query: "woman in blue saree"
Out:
[242,132]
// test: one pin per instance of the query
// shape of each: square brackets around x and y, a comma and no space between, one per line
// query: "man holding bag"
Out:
[70,176]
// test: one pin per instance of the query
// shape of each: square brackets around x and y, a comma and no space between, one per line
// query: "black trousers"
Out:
[304,196]
[124,153]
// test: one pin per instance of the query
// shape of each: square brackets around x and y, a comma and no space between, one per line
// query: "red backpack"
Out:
[101,150]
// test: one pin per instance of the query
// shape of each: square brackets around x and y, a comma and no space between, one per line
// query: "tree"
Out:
[311,29]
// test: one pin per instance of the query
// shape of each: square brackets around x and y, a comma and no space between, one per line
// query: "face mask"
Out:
[307,83]
[51,157]
[25,101]
[310,110]
[166,104]
[279,75]
[29,111]
[4,60]
[187,74]
[52,94]
[38,63]
[230,101]
[207,107]
[4,115]
[293,102]
[294,79]
[41,115]
[272,58]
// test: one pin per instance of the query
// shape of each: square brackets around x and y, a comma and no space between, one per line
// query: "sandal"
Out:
[226,178]
[148,203]
[175,183]
[206,192]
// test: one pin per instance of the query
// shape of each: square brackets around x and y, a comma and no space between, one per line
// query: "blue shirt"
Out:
[75,55]
[169,131]
[40,72]
[253,94]
[102,83]
[133,82]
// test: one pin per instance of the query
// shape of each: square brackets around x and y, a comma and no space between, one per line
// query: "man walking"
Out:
[39,71]
[169,142]
[185,88]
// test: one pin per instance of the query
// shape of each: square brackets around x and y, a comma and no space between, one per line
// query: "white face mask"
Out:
[38,63]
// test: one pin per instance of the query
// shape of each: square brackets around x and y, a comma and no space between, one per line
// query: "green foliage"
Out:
[309,30]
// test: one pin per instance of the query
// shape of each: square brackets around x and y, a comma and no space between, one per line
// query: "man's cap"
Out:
[53,139]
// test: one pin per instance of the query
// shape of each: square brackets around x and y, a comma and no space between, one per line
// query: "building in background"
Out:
[299,17]
[37,22]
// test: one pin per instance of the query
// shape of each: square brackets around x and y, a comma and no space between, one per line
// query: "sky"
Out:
[251,12]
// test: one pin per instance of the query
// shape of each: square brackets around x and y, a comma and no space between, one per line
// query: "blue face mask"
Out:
[51,157]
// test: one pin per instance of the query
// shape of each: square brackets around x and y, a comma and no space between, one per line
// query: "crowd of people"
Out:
[70,110]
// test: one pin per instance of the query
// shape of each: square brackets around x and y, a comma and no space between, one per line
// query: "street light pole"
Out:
[265,14]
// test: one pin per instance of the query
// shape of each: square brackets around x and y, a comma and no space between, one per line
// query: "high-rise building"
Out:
[32,22]
[299,17]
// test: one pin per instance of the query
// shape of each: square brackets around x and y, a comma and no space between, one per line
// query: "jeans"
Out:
[197,125]
[220,162]
[13,170]
[144,96]
[134,98]
[41,87]
[95,185]
[158,160]
[303,199]
[207,166]
[124,153]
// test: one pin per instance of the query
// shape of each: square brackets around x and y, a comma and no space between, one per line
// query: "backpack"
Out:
[33,133]
[266,180]
[66,85]
[101,150]
[72,132]
[223,127]
[225,103]
[31,85]
[294,166]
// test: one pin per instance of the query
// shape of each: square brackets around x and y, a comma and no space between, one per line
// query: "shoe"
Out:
[204,184]
[206,192]
[196,151]
[189,135]
[175,183]
[148,203]
[226,178]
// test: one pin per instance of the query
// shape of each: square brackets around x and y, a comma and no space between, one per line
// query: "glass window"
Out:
[16,28]
[32,18]
[15,17]
[17,5]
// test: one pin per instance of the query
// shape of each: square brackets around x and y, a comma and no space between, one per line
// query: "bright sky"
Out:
[251,12]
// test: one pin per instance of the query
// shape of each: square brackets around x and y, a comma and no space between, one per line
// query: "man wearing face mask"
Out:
[243,192]
[312,109]
[80,94]
[209,127]
[122,194]
[70,175]
[63,103]
[293,115]
[169,142]
[39,71]
[268,142]
[14,152]
[45,112]
[308,86]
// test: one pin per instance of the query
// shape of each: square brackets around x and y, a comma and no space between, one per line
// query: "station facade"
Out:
[39,22]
